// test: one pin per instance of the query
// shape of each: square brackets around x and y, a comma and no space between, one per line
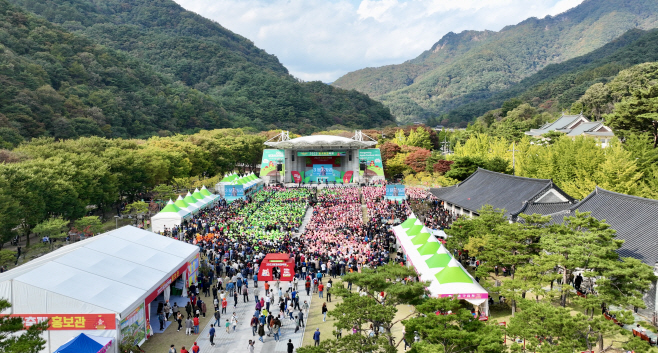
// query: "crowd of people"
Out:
[339,238]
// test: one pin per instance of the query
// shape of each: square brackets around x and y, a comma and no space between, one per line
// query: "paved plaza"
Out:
[237,341]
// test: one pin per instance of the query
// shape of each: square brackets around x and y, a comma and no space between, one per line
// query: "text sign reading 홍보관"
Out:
[71,321]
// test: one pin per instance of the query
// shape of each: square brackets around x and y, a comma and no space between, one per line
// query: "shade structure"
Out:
[438,260]
[200,197]
[434,264]
[408,223]
[420,238]
[193,201]
[429,248]
[415,230]
[205,192]
[180,202]
[83,343]
[170,216]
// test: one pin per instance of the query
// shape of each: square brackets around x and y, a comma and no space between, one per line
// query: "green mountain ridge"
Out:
[557,86]
[159,69]
[471,66]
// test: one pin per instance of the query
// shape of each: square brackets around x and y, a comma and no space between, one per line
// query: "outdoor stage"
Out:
[321,160]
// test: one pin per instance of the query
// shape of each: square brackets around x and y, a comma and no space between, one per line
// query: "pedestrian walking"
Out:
[261,332]
[172,349]
[179,320]
[291,347]
[254,325]
[211,335]
[196,324]
[321,289]
[245,294]
[217,316]
[250,347]
[324,312]
[195,348]
[234,321]
[227,326]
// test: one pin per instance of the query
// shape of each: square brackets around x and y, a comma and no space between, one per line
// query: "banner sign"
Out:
[271,158]
[347,176]
[192,270]
[395,192]
[372,158]
[166,283]
[296,176]
[60,322]
[334,161]
[133,327]
[314,154]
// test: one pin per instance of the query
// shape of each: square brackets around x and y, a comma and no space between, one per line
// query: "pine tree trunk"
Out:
[564,291]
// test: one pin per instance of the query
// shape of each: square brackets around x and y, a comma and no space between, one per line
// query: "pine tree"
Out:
[29,341]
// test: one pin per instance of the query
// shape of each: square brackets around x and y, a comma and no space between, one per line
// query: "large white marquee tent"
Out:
[115,274]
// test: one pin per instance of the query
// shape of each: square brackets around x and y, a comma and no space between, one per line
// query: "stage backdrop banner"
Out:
[323,171]
[395,192]
[334,161]
[270,159]
[296,176]
[372,158]
[60,322]
[347,176]
[328,153]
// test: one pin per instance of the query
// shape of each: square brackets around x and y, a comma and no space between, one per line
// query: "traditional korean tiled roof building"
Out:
[636,221]
[576,125]
[512,193]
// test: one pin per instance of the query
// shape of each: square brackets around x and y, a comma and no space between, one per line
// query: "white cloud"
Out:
[324,39]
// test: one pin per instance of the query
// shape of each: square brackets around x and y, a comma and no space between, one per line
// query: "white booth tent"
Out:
[112,273]
[170,216]
[434,264]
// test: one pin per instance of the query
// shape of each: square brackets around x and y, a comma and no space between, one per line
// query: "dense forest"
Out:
[150,68]
[473,66]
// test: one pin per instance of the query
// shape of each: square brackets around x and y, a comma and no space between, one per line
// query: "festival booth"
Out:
[433,263]
[102,286]
[283,262]
[192,201]
[180,202]
[233,187]
[86,344]
[170,216]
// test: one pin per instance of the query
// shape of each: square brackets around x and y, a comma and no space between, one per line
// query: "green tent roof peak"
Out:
[438,261]
[453,275]
[420,238]
[429,248]
[408,223]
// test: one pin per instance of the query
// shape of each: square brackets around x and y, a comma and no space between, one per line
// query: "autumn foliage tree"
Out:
[389,150]
[417,160]
[442,166]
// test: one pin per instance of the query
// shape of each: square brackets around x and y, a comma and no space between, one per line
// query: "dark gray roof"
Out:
[503,191]
[634,218]
[545,208]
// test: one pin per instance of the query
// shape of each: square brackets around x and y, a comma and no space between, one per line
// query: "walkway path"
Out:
[237,341]
[307,218]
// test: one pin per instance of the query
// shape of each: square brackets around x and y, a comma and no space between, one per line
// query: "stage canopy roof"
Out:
[321,141]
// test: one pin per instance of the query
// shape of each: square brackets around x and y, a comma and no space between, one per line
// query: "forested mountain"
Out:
[472,66]
[557,86]
[145,67]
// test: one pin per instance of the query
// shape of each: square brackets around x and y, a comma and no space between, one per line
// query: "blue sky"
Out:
[325,39]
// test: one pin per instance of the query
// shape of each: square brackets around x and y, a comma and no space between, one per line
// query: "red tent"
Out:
[284,262]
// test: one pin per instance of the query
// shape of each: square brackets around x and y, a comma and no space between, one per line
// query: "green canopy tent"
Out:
[420,238]
[415,230]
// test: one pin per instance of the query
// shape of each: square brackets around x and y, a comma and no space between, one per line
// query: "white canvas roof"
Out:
[112,272]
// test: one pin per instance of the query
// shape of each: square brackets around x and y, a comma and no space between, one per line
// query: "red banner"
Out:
[347,176]
[60,322]
[296,176]
[165,284]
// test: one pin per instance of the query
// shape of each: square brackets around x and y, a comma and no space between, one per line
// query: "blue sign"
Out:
[395,192]
[233,192]
[323,172]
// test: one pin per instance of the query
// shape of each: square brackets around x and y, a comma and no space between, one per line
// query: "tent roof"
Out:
[80,344]
[113,270]
[319,141]
[409,222]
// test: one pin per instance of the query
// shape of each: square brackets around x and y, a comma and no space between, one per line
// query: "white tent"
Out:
[433,263]
[171,215]
[113,274]
[186,206]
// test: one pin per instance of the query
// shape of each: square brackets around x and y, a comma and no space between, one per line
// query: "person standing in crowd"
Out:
[245,294]
[195,320]
[261,332]
[217,316]
[324,312]
[195,348]
[172,349]
[234,321]
[291,347]
[179,320]
[189,325]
